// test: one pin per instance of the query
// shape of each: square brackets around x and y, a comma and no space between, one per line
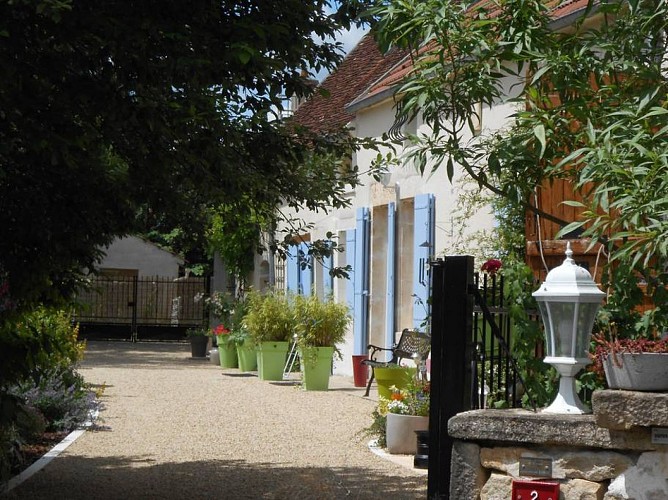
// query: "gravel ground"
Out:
[176,427]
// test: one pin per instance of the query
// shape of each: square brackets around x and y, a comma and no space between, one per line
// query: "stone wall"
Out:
[618,452]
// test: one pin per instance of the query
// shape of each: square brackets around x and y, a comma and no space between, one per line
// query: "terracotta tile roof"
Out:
[560,10]
[362,66]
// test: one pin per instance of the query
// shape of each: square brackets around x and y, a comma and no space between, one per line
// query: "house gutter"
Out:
[367,102]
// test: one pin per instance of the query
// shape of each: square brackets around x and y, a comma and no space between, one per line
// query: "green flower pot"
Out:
[247,358]
[227,355]
[317,367]
[387,377]
[271,360]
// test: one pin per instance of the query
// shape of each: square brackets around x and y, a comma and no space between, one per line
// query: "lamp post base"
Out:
[567,400]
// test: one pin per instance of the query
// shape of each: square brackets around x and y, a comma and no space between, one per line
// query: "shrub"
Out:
[37,342]
[269,317]
[61,396]
[320,323]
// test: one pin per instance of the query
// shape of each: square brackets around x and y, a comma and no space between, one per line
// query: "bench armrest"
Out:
[374,349]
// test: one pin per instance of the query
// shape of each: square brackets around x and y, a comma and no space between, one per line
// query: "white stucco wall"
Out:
[132,252]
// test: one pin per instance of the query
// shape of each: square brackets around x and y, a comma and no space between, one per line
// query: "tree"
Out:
[590,106]
[113,106]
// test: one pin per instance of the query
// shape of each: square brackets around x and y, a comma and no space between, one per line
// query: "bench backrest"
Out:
[412,342]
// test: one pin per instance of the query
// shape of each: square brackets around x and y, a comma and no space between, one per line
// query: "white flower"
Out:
[397,407]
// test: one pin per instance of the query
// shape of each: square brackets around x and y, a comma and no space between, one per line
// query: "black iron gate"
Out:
[471,362]
[146,308]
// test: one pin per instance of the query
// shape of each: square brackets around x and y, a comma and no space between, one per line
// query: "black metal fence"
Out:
[150,307]
[495,381]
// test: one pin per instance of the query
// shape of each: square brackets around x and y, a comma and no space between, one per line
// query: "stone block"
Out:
[623,410]
[591,465]
[467,476]
[581,489]
[503,459]
[566,464]
[497,487]
[521,427]
[647,479]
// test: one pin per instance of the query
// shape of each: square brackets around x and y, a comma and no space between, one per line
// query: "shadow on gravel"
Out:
[137,477]
[141,354]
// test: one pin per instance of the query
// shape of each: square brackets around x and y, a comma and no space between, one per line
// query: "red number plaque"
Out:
[535,490]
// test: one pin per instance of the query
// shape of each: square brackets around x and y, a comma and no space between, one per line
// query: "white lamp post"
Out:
[568,301]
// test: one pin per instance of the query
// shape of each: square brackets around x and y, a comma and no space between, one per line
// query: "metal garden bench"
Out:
[412,344]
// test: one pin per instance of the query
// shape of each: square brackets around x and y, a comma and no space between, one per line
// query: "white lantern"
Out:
[568,301]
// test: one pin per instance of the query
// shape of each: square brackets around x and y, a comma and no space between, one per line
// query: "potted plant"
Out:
[630,343]
[406,411]
[397,418]
[397,376]
[321,326]
[270,324]
[246,352]
[221,307]
[639,364]
[199,341]
[227,349]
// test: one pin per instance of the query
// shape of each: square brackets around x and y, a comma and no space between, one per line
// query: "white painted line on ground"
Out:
[403,460]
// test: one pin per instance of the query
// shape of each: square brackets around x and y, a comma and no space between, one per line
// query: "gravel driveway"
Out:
[176,427]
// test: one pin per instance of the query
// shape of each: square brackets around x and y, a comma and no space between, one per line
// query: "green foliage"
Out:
[61,396]
[198,332]
[221,305]
[320,323]
[589,106]
[378,427]
[595,95]
[18,424]
[234,233]
[37,342]
[157,109]
[527,334]
[269,317]
[39,388]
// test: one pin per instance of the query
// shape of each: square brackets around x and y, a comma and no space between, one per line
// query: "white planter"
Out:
[647,371]
[401,437]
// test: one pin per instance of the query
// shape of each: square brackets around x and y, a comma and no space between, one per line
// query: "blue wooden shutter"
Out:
[350,260]
[423,249]
[327,278]
[361,304]
[292,270]
[305,270]
[391,266]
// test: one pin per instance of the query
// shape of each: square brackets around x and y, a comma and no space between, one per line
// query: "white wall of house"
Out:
[132,253]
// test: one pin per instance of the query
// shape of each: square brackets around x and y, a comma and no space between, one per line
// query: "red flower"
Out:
[492,266]
[220,330]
